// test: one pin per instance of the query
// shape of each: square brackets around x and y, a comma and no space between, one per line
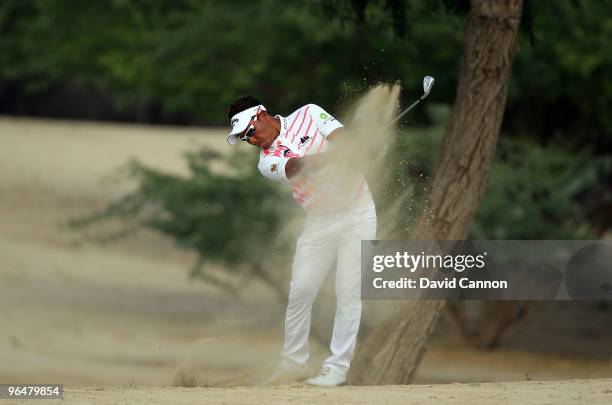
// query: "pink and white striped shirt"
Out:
[303,133]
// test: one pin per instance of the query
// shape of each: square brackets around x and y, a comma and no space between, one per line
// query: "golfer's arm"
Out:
[314,162]
[335,133]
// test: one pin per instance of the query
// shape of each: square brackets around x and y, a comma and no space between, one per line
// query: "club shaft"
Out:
[405,112]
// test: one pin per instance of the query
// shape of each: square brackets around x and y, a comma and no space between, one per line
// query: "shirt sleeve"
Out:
[326,123]
[273,167]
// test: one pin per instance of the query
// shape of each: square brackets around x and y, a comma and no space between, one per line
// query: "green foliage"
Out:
[533,193]
[560,87]
[186,60]
[192,58]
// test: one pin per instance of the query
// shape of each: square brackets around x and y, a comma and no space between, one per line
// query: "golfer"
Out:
[296,150]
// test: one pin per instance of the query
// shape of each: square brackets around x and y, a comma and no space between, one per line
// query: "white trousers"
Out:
[327,239]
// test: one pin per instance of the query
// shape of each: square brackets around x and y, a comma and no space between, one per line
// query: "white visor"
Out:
[240,121]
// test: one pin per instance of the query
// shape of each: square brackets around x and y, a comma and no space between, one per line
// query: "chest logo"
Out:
[274,167]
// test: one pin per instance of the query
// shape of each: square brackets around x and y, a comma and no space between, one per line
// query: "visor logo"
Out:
[234,121]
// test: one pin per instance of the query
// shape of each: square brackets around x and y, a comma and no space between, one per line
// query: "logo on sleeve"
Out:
[274,167]
[326,118]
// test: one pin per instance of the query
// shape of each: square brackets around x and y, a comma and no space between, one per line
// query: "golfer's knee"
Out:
[348,301]
[302,290]
[348,291]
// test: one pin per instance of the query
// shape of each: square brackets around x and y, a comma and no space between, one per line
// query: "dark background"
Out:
[184,61]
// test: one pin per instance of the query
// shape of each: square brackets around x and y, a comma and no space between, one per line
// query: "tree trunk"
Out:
[392,352]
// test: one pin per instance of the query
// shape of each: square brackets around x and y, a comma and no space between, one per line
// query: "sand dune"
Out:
[80,311]
[77,310]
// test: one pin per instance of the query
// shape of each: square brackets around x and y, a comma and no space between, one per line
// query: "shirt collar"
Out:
[283,126]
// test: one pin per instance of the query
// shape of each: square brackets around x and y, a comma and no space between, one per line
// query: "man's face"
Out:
[265,133]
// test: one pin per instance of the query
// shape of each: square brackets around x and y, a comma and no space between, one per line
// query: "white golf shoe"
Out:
[328,377]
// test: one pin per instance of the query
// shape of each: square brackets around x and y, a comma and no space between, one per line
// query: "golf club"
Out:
[428,82]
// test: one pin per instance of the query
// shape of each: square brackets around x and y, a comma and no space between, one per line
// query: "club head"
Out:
[428,82]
